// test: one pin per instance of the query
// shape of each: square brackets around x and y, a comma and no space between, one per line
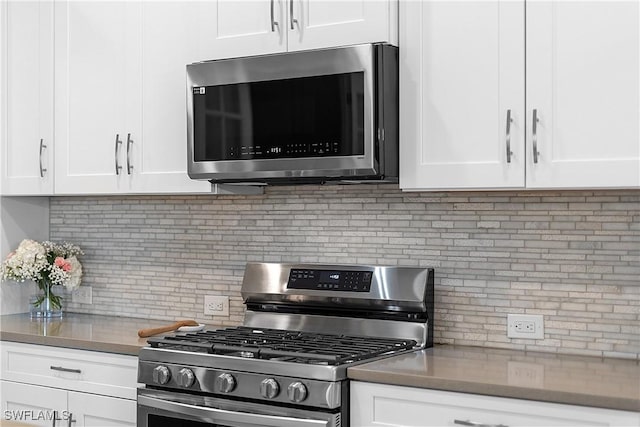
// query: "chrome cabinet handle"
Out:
[55,416]
[292,20]
[42,147]
[508,136]
[474,424]
[129,144]
[274,23]
[61,369]
[70,420]
[118,144]
[534,136]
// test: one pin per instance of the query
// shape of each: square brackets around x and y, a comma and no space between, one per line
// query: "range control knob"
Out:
[269,388]
[226,383]
[297,392]
[185,377]
[161,375]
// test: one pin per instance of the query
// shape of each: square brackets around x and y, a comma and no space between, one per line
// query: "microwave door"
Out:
[276,117]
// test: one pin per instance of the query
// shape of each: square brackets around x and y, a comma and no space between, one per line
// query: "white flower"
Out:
[44,263]
[75,274]
[26,263]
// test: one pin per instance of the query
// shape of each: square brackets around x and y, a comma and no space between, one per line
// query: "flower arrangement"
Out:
[47,264]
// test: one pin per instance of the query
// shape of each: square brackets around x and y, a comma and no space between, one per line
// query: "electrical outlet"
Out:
[216,305]
[82,295]
[529,326]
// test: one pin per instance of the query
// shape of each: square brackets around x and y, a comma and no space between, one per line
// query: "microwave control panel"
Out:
[313,149]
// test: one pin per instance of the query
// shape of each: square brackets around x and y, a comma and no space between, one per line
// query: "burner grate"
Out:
[283,345]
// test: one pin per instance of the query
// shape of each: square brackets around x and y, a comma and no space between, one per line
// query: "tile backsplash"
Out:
[573,256]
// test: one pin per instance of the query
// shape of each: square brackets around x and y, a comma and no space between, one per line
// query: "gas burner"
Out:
[276,344]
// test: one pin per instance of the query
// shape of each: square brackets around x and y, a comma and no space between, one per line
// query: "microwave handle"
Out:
[217,416]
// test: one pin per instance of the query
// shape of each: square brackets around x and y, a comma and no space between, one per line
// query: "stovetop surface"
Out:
[283,345]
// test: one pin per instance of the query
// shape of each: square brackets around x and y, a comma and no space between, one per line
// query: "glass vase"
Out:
[45,304]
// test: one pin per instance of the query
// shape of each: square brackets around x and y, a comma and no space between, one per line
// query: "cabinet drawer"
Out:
[87,371]
[386,405]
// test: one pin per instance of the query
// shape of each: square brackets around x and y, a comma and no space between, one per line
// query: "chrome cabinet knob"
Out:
[161,374]
[226,383]
[185,377]
[297,392]
[269,388]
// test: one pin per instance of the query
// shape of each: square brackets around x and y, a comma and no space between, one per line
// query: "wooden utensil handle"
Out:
[145,333]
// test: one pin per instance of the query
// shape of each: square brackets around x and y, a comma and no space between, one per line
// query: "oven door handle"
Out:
[217,416]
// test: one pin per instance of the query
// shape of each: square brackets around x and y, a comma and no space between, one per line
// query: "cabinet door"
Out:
[583,85]
[461,77]
[242,28]
[27,88]
[90,410]
[156,140]
[85,371]
[313,24]
[32,405]
[91,41]
[388,405]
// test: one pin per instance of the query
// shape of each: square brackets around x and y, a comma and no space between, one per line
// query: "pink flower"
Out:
[62,263]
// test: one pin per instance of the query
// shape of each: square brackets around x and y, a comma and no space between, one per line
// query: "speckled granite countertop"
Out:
[82,331]
[577,380]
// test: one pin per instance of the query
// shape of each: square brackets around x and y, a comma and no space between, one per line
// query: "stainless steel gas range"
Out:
[287,365]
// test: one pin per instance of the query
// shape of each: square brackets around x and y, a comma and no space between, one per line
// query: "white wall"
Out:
[20,218]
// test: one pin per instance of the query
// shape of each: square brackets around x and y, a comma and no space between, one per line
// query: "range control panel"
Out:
[330,280]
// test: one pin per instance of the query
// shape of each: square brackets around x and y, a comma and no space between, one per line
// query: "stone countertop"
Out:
[81,331]
[576,380]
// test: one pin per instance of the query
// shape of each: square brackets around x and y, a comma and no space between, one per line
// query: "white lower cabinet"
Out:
[31,404]
[40,383]
[92,411]
[38,406]
[389,405]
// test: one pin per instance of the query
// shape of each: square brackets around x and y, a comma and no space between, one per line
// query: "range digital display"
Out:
[330,280]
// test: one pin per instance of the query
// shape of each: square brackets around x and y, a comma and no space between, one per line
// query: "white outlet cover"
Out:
[536,319]
[82,295]
[213,301]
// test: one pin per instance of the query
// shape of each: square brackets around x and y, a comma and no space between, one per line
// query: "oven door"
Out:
[157,408]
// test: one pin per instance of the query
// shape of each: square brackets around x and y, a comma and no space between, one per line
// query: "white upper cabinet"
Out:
[26,33]
[156,123]
[462,95]
[243,28]
[463,81]
[121,97]
[260,27]
[583,84]
[314,24]
[91,39]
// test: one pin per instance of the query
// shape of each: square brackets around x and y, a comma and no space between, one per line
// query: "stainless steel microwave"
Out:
[300,117]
